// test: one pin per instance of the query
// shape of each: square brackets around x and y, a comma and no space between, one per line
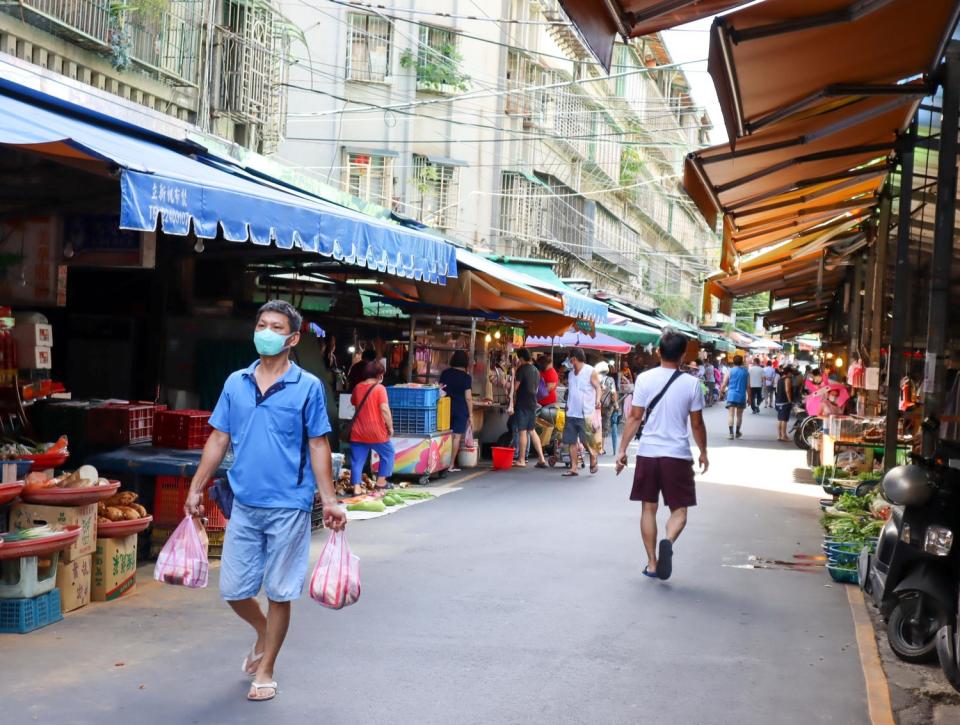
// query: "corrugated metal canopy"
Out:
[781,58]
[600,21]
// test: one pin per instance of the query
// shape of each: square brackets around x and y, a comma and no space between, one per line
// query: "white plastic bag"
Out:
[183,559]
[335,582]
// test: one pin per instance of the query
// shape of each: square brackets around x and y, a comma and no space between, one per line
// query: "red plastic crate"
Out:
[181,428]
[120,424]
[170,493]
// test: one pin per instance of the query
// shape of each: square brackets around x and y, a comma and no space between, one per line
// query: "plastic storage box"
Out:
[185,429]
[19,616]
[443,413]
[414,421]
[170,493]
[413,396]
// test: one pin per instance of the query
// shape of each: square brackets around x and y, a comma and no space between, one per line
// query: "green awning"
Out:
[541,275]
[377,308]
[631,333]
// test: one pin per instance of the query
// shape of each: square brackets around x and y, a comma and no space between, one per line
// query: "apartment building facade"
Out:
[213,66]
[496,126]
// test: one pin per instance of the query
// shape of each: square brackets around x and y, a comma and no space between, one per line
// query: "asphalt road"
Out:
[517,599]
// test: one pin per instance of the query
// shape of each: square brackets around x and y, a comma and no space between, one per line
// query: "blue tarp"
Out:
[181,189]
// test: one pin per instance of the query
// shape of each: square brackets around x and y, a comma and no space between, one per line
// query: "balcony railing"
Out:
[163,42]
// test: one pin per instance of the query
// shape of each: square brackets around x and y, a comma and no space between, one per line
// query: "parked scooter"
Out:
[912,577]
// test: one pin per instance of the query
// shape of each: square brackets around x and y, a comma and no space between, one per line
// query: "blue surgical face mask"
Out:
[268,342]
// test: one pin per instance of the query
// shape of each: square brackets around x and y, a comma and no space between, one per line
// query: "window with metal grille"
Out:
[369,42]
[437,61]
[521,208]
[523,74]
[370,177]
[564,220]
[438,192]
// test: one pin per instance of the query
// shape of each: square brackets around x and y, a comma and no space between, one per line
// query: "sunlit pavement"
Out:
[517,599]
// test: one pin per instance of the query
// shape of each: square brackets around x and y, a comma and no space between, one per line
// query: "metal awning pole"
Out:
[411,352]
[473,341]
[940,262]
[875,292]
[901,288]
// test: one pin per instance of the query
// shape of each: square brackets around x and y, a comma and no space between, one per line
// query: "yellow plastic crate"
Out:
[443,413]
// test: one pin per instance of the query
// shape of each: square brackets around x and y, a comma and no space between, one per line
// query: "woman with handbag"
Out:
[371,427]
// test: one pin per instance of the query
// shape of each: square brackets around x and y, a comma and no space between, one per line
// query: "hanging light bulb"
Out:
[198,247]
[68,250]
[23,279]
[839,362]
[439,321]
[497,334]
[488,338]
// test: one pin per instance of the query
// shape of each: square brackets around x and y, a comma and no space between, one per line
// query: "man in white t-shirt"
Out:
[664,461]
[583,407]
[755,372]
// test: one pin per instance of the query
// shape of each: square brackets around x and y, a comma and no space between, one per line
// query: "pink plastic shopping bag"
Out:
[183,559]
[336,577]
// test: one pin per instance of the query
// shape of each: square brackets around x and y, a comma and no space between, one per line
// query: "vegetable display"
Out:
[14,449]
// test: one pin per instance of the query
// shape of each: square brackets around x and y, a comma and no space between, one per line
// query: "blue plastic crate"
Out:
[416,421]
[19,616]
[424,396]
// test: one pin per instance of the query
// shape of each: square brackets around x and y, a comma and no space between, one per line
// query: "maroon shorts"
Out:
[673,477]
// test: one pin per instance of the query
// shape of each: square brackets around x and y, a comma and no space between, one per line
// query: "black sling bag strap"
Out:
[653,403]
[348,428]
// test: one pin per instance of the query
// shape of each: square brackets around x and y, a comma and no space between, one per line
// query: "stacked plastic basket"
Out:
[414,408]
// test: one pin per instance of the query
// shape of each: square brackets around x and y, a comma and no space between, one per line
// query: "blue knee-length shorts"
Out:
[268,547]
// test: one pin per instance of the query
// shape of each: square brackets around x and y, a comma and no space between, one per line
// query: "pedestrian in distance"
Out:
[769,384]
[755,373]
[372,426]
[735,386]
[583,404]
[457,383]
[274,414]
[664,401]
[525,386]
[609,402]
[709,377]
[784,401]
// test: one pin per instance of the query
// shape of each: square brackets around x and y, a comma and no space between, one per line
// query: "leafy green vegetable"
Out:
[852,503]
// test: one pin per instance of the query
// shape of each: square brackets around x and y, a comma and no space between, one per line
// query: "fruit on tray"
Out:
[83,477]
[375,507]
[122,506]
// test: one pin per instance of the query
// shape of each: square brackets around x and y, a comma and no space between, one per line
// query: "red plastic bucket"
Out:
[502,458]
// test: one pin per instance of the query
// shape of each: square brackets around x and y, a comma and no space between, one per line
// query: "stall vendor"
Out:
[458,385]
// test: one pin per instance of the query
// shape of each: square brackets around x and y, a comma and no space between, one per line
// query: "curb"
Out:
[878,692]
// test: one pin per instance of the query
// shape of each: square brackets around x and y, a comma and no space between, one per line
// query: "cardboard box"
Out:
[34,358]
[25,515]
[73,580]
[114,568]
[33,335]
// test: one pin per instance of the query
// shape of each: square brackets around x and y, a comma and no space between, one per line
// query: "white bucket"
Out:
[468,457]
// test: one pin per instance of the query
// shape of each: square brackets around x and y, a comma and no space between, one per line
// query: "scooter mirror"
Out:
[907,486]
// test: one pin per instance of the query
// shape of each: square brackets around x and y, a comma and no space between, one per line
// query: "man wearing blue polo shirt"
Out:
[275,416]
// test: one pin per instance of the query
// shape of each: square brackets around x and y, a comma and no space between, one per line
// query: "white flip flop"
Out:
[251,660]
[255,687]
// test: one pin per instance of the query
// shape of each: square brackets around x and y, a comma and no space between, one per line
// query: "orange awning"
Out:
[600,21]
[793,156]
[779,58]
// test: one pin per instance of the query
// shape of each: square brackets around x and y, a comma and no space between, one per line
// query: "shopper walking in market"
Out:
[525,387]
[734,386]
[769,384]
[784,401]
[583,407]
[457,383]
[274,414]
[372,426]
[664,402]
[755,373]
[609,404]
